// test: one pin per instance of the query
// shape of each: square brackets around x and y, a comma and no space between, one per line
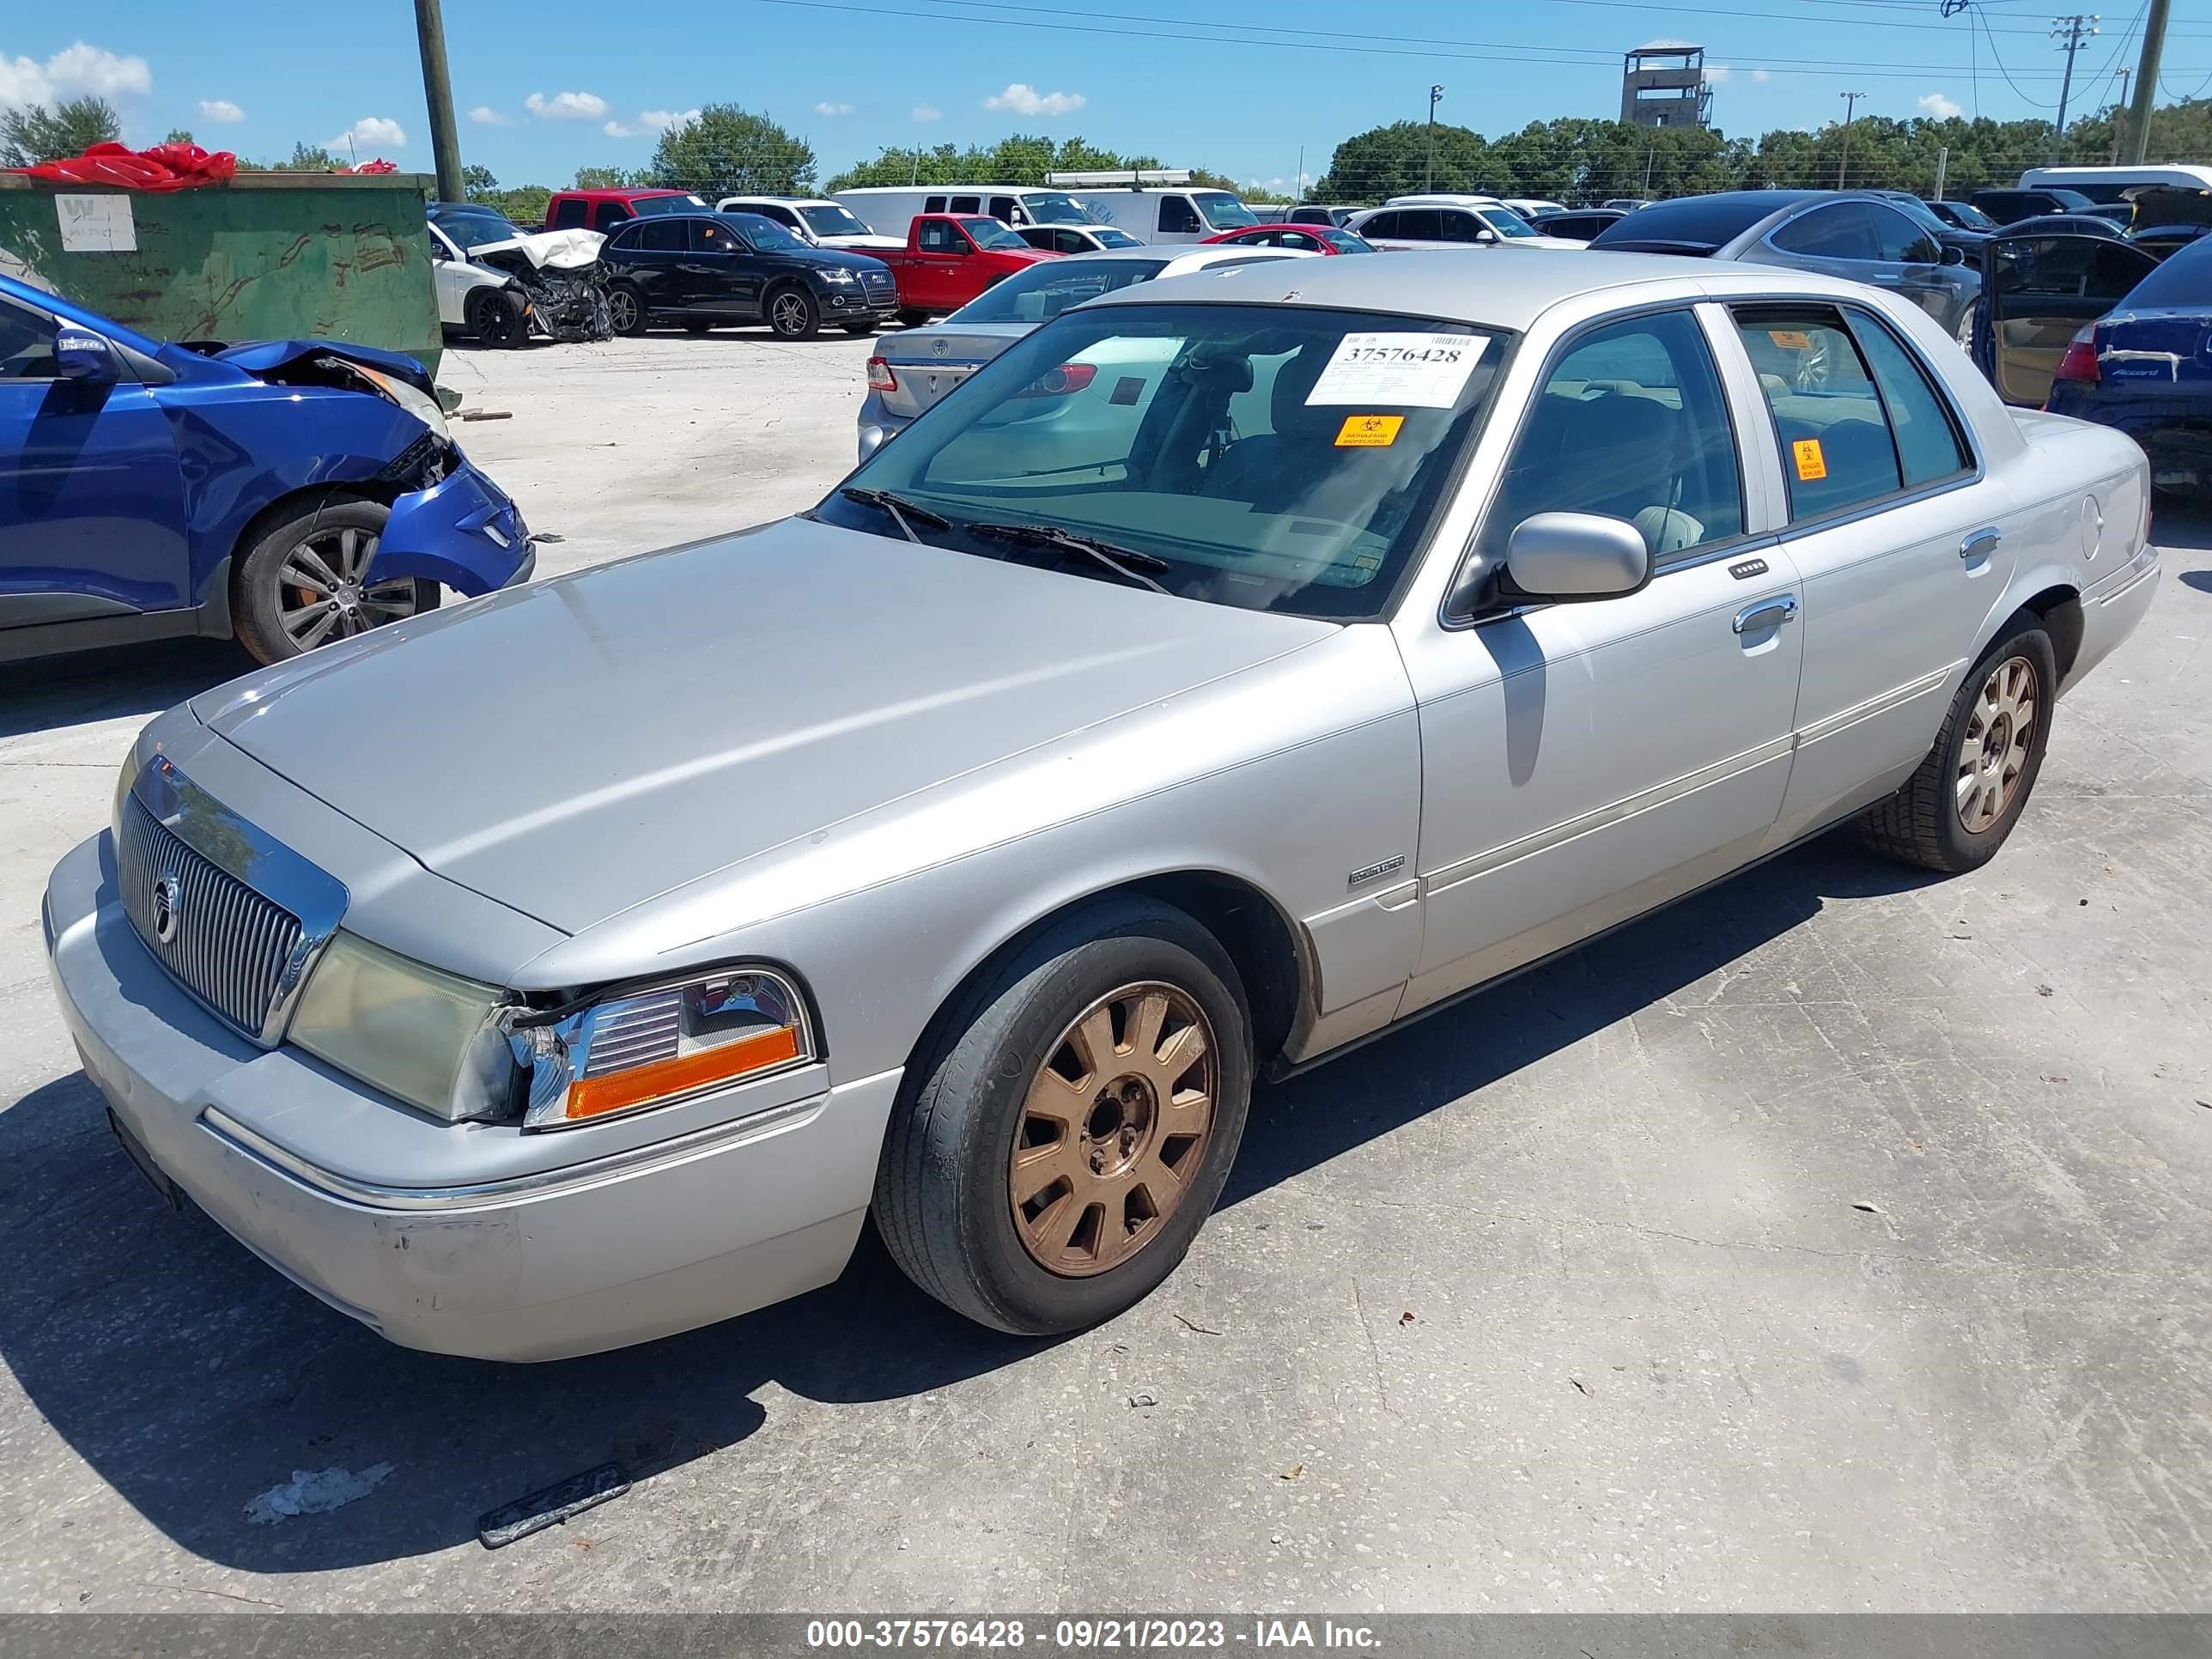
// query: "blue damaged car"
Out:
[283,494]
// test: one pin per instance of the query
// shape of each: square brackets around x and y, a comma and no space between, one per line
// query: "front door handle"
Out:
[1767,613]
[1981,544]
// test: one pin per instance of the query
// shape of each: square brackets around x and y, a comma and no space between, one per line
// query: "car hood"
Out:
[263,359]
[563,250]
[574,748]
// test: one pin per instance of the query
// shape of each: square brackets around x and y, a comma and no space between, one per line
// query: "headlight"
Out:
[433,1039]
[417,403]
[654,1047]
[837,274]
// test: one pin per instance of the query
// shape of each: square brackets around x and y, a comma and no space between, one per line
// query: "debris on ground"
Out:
[1293,1473]
[314,1492]
[487,414]
[550,1506]
[1192,1324]
[1871,1209]
[1142,1399]
[1581,1388]
[1407,1317]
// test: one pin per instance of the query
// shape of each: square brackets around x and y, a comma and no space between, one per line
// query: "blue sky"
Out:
[583,83]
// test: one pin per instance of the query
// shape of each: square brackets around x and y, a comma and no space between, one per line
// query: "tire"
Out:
[912,318]
[792,314]
[626,309]
[860,331]
[1942,818]
[275,605]
[945,1201]
[497,316]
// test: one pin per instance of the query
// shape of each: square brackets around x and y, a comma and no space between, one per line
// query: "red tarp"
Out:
[165,166]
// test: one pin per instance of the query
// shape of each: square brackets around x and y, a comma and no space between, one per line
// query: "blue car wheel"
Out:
[302,585]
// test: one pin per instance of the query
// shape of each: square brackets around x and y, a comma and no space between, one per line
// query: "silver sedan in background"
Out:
[1239,665]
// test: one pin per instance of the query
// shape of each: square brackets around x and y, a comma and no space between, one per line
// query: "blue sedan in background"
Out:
[284,494]
[2146,367]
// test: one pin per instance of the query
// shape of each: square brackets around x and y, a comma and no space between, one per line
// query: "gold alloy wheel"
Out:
[1993,754]
[1114,1129]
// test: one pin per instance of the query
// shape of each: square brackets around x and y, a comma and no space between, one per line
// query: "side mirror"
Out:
[1567,556]
[81,355]
[1485,235]
[1954,256]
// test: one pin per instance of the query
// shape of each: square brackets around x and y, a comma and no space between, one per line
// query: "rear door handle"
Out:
[1982,543]
[1767,613]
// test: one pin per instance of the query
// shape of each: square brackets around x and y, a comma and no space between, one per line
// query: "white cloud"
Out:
[68,73]
[1716,73]
[370,132]
[485,116]
[616,130]
[567,106]
[1025,100]
[1759,75]
[1938,107]
[923,112]
[833,109]
[222,111]
[659,120]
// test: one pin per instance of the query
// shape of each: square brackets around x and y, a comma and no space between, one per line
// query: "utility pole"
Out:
[2120,119]
[2147,81]
[1842,162]
[438,95]
[2069,32]
[1435,92]
[1942,167]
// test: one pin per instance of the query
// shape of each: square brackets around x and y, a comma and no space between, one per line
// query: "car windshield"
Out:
[1110,237]
[1222,210]
[1505,221]
[1272,457]
[990,233]
[830,220]
[764,234]
[1052,207]
[1044,291]
[475,227]
[646,205]
[2182,283]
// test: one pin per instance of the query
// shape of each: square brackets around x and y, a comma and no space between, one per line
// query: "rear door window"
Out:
[660,236]
[1383,224]
[966,204]
[1927,440]
[932,205]
[1838,450]
[1900,240]
[1839,231]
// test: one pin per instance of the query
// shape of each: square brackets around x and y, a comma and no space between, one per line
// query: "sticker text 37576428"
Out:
[1411,371]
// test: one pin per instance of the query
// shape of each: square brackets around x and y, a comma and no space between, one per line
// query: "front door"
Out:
[1902,549]
[92,510]
[940,249]
[2042,291]
[1583,762]
[721,274]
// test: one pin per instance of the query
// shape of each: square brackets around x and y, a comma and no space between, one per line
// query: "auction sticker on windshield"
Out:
[1414,371]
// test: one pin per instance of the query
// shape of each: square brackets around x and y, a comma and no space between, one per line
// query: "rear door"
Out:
[2042,290]
[92,510]
[659,262]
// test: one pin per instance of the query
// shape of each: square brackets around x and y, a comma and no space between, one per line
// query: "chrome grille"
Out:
[229,945]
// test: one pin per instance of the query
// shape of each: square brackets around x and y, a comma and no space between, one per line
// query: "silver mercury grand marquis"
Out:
[1233,667]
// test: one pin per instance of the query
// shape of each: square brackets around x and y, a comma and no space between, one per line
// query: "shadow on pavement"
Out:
[99,685]
[191,1378]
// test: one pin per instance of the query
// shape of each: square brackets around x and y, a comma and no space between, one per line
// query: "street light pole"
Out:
[1843,162]
[1435,92]
[438,95]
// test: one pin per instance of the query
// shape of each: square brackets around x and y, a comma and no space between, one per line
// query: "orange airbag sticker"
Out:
[1811,464]
[1369,431]
[1790,339]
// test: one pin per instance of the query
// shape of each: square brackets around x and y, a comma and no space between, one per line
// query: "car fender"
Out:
[462,532]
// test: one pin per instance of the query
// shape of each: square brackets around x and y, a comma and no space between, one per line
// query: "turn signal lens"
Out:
[880,378]
[1060,382]
[661,1046]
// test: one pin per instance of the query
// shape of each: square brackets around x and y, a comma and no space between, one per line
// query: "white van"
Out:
[1169,215]
[889,208]
[2110,184]
[817,222]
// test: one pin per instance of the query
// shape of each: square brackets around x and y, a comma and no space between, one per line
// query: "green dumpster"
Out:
[268,256]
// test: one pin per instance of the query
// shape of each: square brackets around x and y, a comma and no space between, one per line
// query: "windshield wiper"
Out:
[1124,561]
[900,508]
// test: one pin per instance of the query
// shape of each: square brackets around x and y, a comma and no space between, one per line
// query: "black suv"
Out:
[705,269]
[2009,207]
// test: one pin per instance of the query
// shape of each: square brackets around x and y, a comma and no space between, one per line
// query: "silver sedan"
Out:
[1231,668]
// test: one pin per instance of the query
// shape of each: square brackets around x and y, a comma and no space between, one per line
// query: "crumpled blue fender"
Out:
[462,532]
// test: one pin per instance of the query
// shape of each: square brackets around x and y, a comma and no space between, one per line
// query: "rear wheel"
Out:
[1956,811]
[792,314]
[860,330]
[626,309]
[303,583]
[1049,1165]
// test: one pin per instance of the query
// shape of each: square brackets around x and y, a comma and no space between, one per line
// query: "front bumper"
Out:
[463,531]
[597,1253]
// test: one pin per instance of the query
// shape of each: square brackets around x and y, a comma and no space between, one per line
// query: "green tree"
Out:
[727,150]
[180,135]
[523,203]
[477,182]
[1018,159]
[34,133]
[307,158]
[1394,161]
[604,179]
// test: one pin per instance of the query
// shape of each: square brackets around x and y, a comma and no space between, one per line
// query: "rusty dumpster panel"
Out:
[268,256]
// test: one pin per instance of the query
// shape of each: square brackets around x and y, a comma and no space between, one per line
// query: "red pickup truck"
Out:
[950,258]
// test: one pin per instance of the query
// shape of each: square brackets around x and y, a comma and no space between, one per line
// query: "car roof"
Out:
[1511,291]
[618,195]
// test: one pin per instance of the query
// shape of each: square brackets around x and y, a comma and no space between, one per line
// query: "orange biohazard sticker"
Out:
[1369,431]
[1811,463]
[1790,339]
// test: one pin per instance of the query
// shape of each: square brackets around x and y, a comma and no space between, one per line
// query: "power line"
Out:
[1974,13]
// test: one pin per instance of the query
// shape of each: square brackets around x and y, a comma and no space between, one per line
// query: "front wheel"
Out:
[911,318]
[498,317]
[626,309]
[1955,812]
[1051,1163]
[792,314]
[862,330]
[302,584]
